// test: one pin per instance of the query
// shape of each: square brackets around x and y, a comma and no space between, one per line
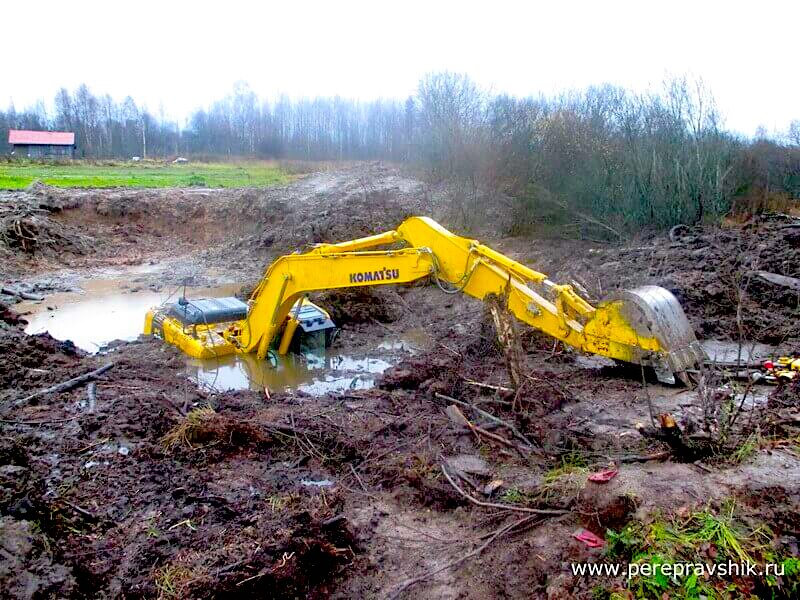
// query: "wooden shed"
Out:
[42,144]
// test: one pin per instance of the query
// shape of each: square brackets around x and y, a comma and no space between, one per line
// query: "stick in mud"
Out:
[67,385]
[488,415]
[91,395]
[510,507]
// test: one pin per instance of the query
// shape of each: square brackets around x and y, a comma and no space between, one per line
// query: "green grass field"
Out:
[80,174]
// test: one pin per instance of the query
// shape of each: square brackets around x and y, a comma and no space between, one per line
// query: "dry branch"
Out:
[792,283]
[498,388]
[488,415]
[68,385]
[524,509]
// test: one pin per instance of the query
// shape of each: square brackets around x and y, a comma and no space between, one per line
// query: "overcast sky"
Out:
[186,54]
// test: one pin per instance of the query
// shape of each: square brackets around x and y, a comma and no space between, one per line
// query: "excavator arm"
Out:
[290,277]
[643,326]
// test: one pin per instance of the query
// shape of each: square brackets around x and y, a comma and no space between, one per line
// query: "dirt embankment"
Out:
[149,487]
[49,228]
[187,233]
[722,276]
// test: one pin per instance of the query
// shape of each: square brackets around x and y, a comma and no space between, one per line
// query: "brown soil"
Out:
[345,495]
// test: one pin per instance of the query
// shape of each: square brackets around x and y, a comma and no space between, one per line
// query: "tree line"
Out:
[603,160]
[239,125]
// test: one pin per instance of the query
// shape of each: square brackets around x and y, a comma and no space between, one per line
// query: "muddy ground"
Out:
[155,488]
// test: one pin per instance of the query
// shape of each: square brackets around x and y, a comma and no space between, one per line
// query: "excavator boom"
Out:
[643,326]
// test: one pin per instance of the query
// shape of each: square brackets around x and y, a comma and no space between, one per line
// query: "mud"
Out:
[711,270]
[159,488]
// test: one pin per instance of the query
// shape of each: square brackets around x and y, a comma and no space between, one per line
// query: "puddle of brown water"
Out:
[315,374]
[104,312]
[101,314]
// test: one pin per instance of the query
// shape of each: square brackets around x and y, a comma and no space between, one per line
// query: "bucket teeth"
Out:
[654,312]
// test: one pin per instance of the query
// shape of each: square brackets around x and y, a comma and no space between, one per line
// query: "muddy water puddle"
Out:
[101,313]
[104,311]
[315,374]
[319,373]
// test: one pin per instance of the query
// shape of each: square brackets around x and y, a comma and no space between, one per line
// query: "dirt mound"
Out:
[51,198]
[28,360]
[139,519]
[9,317]
[297,562]
[716,274]
[361,305]
[322,207]
[203,426]
[26,226]
[417,373]
[28,569]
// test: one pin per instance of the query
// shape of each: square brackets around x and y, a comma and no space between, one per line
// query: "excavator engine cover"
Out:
[207,310]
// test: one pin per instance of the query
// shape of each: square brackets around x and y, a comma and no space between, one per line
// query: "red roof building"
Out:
[42,144]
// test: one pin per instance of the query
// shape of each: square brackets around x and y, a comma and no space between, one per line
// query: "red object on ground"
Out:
[769,365]
[588,538]
[603,476]
[54,138]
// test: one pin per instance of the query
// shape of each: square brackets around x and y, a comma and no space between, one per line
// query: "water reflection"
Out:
[314,373]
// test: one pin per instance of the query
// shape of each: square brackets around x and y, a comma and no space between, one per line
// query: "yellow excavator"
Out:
[645,326]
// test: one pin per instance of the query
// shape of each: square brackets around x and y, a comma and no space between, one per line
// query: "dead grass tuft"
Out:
[205,426]
[177,579]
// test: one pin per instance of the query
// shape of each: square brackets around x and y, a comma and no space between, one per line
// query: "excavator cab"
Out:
[309,329]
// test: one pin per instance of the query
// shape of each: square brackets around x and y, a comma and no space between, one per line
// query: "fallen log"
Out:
[792,283]
[20,294]
[68,385]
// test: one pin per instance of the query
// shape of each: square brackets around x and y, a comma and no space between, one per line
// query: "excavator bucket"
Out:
[653,312]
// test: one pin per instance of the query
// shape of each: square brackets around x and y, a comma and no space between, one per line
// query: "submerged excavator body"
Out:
[645,326]
[199,327]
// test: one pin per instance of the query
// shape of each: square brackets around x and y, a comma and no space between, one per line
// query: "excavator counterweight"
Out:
[645,326]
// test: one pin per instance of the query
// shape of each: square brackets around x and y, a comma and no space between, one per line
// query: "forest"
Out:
[604,158]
